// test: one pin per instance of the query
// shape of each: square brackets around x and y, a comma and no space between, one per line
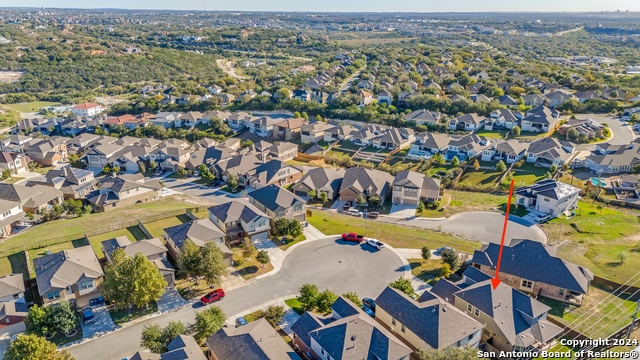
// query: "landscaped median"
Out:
[394,235]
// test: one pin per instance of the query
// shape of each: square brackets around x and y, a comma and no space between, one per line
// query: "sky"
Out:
[341,5]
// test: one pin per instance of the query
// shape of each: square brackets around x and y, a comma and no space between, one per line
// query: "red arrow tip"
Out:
[495,282]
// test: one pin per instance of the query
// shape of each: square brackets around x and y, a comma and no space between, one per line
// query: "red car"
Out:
[352,237]
[215,295]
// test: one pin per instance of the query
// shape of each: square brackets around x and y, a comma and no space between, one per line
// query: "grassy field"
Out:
[462,201]
[482,178]
[156,228]
[294,304]
[13,180]
[30,106]
[594,237]
[528,174]
[606,313]
[492,134]
[249,269]
[374,41]
[121,316]
[394,235]
[428,271]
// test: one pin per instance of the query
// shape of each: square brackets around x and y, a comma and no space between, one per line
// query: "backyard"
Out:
[394,235]
[156,228]
[251,268]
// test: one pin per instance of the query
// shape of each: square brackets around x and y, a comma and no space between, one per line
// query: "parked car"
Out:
[368,311]
[375,243]
[215,295]
[217,183]
[241,321]
[87,316]
[196,173]
[347,205]
[542,218]
[441,249]
[370,303]
[352,237]
[165,191]
[373,215]
[354,212]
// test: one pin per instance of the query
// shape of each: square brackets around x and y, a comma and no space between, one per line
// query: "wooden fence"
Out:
[618,289]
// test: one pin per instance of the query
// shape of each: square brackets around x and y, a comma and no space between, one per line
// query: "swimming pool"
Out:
[595,181]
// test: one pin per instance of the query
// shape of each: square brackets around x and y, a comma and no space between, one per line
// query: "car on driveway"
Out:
[375,243]
[441,249]
[370,303]
[165,191]
[542,218]
[215,295]
[368,311]
[87,316]
[241,321]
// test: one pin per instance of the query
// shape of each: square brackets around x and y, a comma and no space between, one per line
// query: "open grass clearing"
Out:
[28,107]
[156,228]
[491,134]
[285,242]
[294,304]
[456,201]
[394,235]
[121,316]
[13,180]
[428,271]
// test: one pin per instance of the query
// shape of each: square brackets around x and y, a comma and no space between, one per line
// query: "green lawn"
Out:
[525,135]
[528,174]
[394,235]
[120,317]
[249,269]
[294,304]
[43,170]
[285,242]
[492,134]
[156,228]
[428,271]
[347,145]
[612,312]
[461,201]
[34,106]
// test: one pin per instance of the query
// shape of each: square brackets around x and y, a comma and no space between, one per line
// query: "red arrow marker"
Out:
[496,280]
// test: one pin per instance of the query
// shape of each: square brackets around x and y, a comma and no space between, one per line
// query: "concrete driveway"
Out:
[102,325]
[6,333]
[170,300]
[402,211]
[329,263]
[482,226]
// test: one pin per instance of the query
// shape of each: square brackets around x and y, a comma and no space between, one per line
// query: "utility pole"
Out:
[366,221]
[633,322]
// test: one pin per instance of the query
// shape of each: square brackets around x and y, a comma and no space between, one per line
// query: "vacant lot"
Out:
[394,235]
[461,201]
[156,228]
[34,106]
[374,41]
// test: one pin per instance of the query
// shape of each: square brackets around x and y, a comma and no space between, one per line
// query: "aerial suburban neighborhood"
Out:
[318,185]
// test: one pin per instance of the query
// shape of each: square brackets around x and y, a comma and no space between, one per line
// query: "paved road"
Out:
[622,134]
[478,225]
[328,263]
[228,68]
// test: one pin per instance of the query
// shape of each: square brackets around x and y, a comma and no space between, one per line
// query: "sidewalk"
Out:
[289,318]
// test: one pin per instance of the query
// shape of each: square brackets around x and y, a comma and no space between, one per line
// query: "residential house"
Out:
[533,267]
[73,275]
[239,119]
[480,99]
[97,158]
[191,119]
[548,196]
[583,96]
[584,129]
[263,126]
[152,249]
[167,119]
[454,88]
[465,147]
[502,119]
[423,117]
[365,84]
[171,156]
[428,144]
[339,132]
[87,109]
[404,96]
[366,98]
[533,100]
[81,143]
[272,172]
[410,188]
[239,166]
[226,99]
[288,129]
[613,159]
[200,232]
[13,307]
[507,100]
[15,163]
[427,323]
[239,219]
[278,202]
[393,138]
[507,151]
[48,152]
[365,136]
[15,143]
[314,132]
[283,151]
[320,180]
[556,98]
[256,340]
[73,182]
[11,214]
[467,122]
[369,182]
[348,333]
[302,95]
[32,199]
[124,190]
[513,321]
[550,151]
[540,119]
[385,97]
[183,347]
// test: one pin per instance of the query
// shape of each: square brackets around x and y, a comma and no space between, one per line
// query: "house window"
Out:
[470,337]
[546,199]
[486,333]
[86,285]
[561,292]
[403,329]
[322,351]
[393,321]
[53,295]
[16,296]
[469,307]
[527,284]
[476,313]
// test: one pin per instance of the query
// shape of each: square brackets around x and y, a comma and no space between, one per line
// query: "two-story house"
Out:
[121,191]
[548,196]
[98,156]
[427,323]
[272,172]
[507,151]
[10,214]
[321,180]
[369,182]
[13,307]
[33,199]
[502,119]
[152,249]
[239,219]
[428,144]
[410,188]
[16,163]
[48,152]
[87,109]
[467,122]
[540,119]
[534,268]
[550,151]
[201,232]
[74,275]
[73,182]
[278,202]
[283,151]
[15,143]
[314,132]
[288,129]
[263,126]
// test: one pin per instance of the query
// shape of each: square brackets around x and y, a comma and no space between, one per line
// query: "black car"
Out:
[370,303]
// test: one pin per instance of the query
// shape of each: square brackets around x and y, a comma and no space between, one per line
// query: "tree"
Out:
[212,266]
[501,166]
[246,143]
[312,194]
[451,258]
[420,209]
[426,253]
[516,131]
[232,181]
[353,297]
[572,134]
[147,282]
[438,159]
[263,257]
[325,300]
[622,256]
[319,118]
[375,201]
[156,338]
[37,321]
[208,322]
[181,173]
[281,227]
[361,199]
[248,249]
[403,285]
[445,271]
[274,314]
[63,318]
[476,165]
[34,347]
[324,197]
[142,167]
[189,259]
[308,295]
[455,161]
[450,353]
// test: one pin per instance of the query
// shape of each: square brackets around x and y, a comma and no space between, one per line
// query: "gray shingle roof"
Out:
[321,179]
[199,231]
[368,181]
[234,210]
[11,285]
[183,347]
[274,197]
[66,268]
